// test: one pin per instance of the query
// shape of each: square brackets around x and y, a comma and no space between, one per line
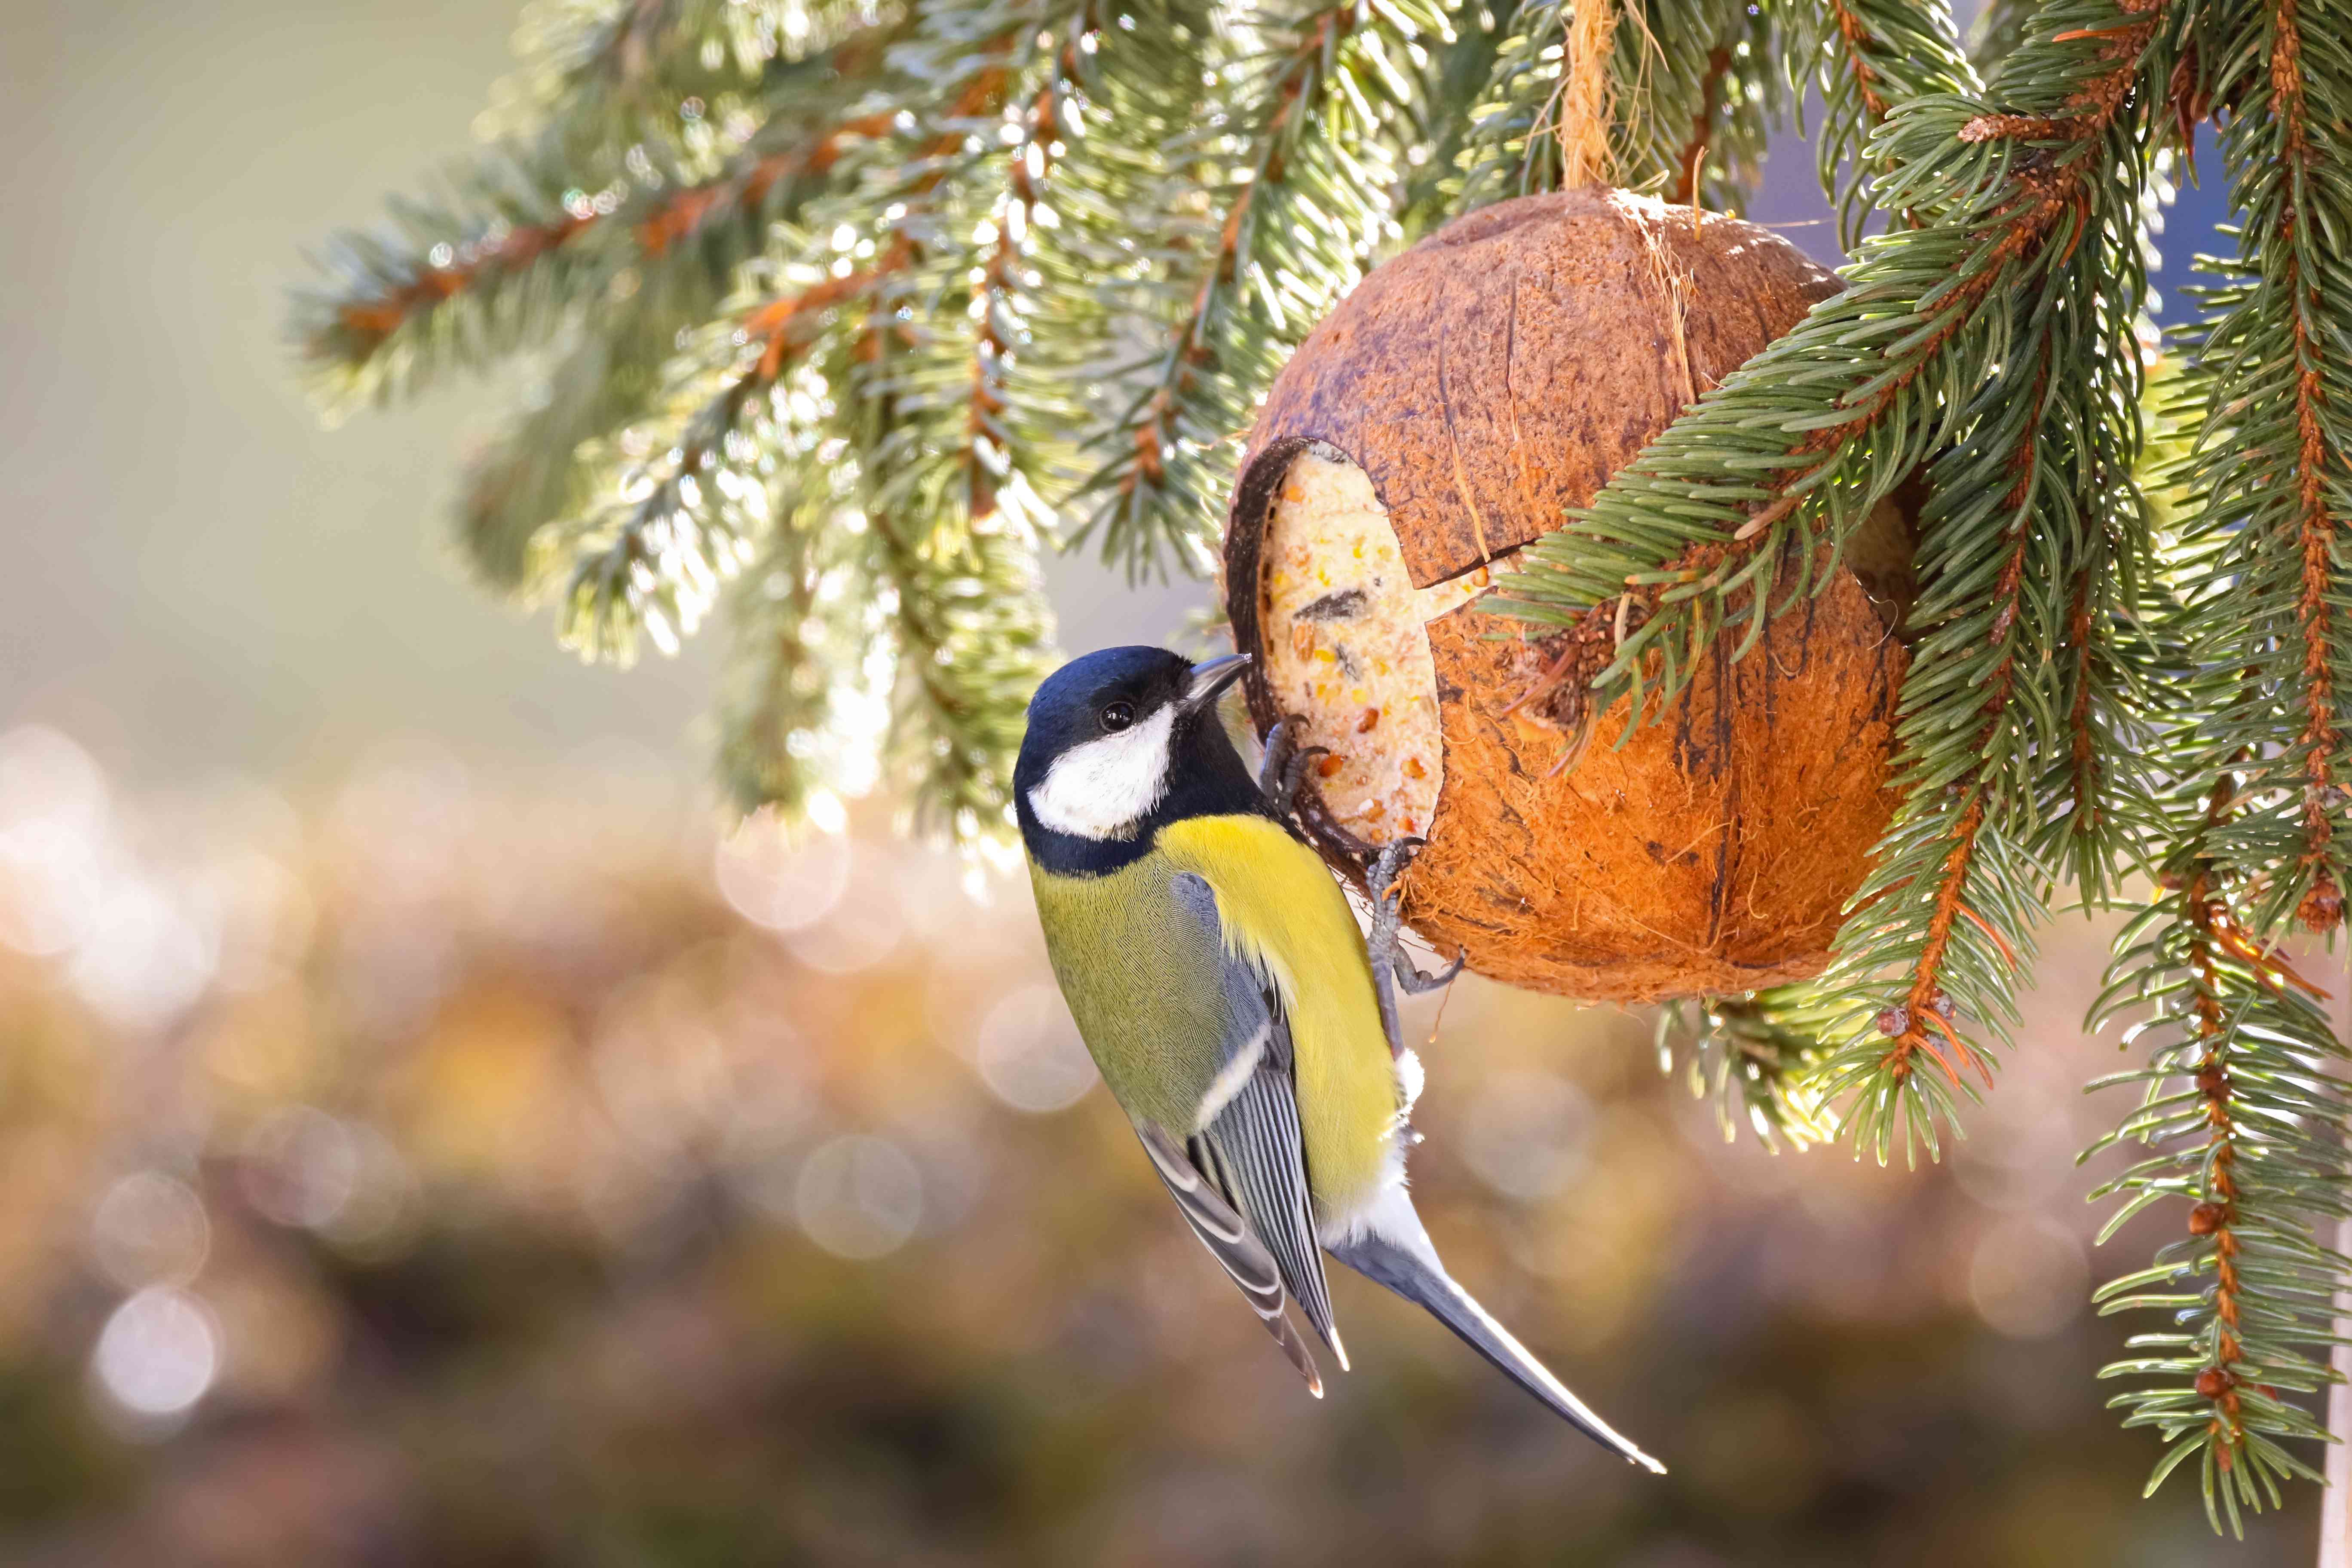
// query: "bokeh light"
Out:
[1029,1053]
[53,812]
[859,1197]
[158,1353]
[1526,1131]
[782,881]
[150,1229]
[2028,1277]
[301,1167]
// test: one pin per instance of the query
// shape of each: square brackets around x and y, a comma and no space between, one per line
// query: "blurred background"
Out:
[429,1136]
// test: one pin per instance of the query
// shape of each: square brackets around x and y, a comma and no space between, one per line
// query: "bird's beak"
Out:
[1211,677]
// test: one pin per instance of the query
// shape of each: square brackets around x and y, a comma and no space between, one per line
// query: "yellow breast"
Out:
[1282,910]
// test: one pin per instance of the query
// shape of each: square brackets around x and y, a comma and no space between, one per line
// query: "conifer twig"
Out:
[521,245]
[1309,193]
[2251,1289]
[2316,463]
[658,566]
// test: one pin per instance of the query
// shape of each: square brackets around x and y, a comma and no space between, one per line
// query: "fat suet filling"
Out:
[1347,645]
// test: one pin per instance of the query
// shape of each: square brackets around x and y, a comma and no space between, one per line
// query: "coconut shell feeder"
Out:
[1447,413]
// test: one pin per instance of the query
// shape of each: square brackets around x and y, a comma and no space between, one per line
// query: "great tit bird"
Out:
[1220,979]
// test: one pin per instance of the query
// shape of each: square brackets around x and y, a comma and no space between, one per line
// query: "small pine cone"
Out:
[2208,1217]
[2322,909]
[2213,1383]
[2213,1083]
[1895,1021]
[1942,1003]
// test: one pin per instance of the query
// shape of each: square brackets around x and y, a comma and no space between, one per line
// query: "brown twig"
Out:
[1022,188]
[1951,886]
[1694,150]
[1858,41]
[371,320]
[2315,464]
[675,217]
[2216,1214]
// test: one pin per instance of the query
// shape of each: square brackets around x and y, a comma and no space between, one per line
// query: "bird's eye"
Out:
[1118,716]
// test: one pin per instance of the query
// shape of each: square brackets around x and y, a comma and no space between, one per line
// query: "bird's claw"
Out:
[1417,983]
[1392,967]
[1284,771]
[1293,778]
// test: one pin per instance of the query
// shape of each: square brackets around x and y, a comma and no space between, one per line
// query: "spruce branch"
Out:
[2319,464]
[517,249]
[1873,55]
[615,71]
[973,637]
[653,558]
[2096,803]
[2030,533]
[532,473]
[946,486]
[906,333]
[1679,95]
[1000,298]
[1311,190]
[959,275]
[1801,442]
[796,709]
[2270,475]
[1754,1059]
[2243,1109]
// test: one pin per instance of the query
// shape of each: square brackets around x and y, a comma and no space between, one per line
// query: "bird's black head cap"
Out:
[1120,741]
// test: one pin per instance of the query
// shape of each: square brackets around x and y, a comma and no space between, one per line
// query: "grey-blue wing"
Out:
[1250,1146]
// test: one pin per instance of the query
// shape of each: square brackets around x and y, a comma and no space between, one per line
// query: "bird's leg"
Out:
[1391,966]
[1284,770]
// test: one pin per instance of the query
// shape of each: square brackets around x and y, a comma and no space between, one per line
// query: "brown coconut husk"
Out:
[1484,382]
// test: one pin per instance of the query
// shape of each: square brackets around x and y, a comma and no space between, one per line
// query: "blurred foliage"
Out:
[390,1183]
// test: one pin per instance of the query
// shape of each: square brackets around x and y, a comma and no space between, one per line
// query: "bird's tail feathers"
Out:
[1387,1245]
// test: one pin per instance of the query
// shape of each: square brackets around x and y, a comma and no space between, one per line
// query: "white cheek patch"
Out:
[1104,788]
